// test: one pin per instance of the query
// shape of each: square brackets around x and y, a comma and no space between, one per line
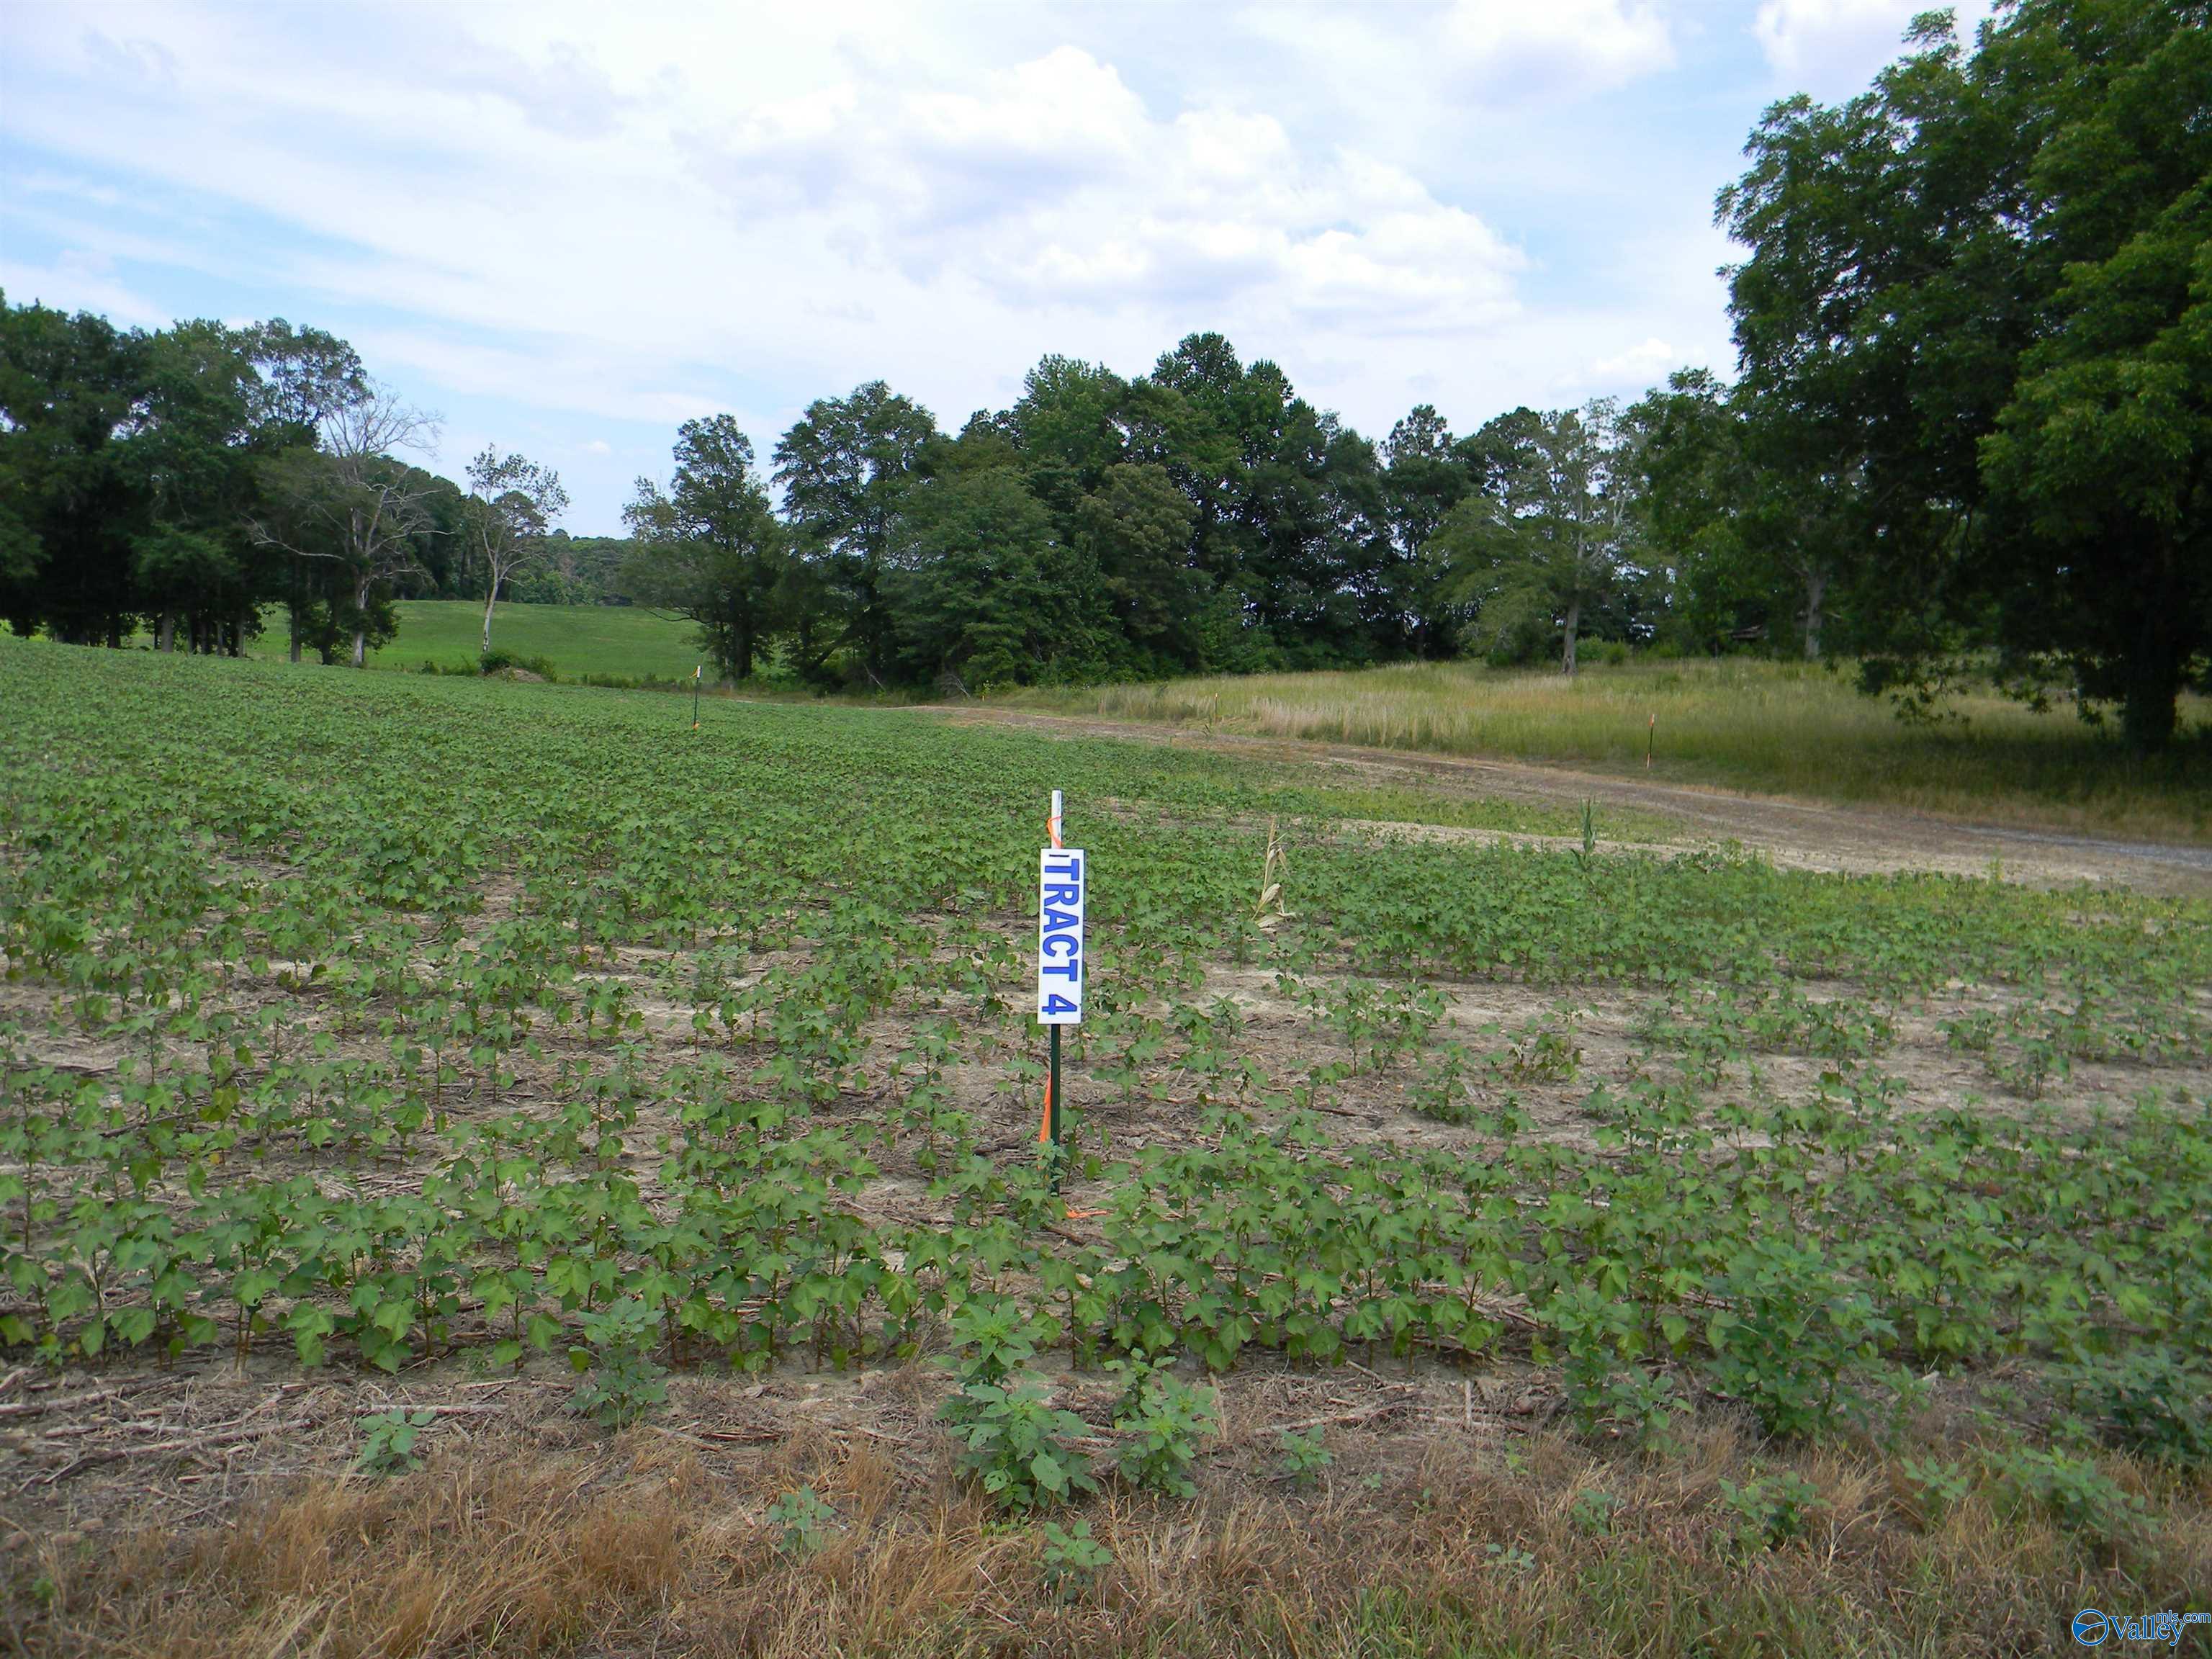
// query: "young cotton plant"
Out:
[1793,1335]
[992,1336]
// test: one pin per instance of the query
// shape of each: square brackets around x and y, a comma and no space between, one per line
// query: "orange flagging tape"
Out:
[1044,1126]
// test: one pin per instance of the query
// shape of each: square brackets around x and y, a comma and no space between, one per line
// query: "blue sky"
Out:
[567,228]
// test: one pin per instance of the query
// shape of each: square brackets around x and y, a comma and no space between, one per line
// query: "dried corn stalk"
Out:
[1272,909]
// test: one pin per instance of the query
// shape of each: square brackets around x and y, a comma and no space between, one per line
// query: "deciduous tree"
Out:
[1550,536]
[709,548]
[1975,303]
[512,503]
[846,467]
[353,505]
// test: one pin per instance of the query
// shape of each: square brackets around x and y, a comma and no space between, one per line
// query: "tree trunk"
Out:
[491,598]
[1574,627]
[293,611]
[744,664]
[1816,589]
[2153,685]
[168,632]
[361,623]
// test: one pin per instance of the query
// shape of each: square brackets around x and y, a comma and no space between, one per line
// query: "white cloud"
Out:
[1503,53]
[1051,183]
[79,280]
[1648,362]
[1545,48]
[1832,48]
[607,214]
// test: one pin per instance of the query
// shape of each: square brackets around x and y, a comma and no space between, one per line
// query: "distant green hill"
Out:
[577,640]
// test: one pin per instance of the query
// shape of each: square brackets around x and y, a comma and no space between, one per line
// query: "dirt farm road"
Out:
[1798,834]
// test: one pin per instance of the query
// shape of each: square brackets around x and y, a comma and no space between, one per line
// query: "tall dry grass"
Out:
[1782,728]
[1446,1545]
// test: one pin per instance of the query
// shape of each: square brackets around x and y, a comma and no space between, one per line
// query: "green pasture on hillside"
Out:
[618,641]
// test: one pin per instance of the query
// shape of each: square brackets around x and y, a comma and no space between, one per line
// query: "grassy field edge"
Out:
[1786,729]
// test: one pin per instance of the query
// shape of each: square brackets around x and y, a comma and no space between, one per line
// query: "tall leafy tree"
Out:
[1066,427]
[68,508]
[2099,469]
[710,547]
[192,453]
[130,463]
[985,593]
[1552,537]
[1423,478]
[1133,532]
[846,467]
[1731,543]
[1972,309]
[304,376]
[1192,416]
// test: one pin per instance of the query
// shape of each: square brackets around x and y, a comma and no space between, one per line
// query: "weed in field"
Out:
[1509,1558]
[1768,1510]
[803,1523]
[1070,1561]
[387,1441]
[1935,1487]
[1303,1456]
[1592,1512]
[2151,1401]
[1164,1418]
[1016,1445]
[2072,1490]
[619,1380]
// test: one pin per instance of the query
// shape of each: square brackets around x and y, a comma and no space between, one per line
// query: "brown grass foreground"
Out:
[1411,1546]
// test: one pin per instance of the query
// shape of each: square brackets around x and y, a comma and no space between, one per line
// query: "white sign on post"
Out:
[1059,936]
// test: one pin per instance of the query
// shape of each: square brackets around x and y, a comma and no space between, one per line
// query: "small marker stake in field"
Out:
[1062,880]
[1650,738]
[695,694]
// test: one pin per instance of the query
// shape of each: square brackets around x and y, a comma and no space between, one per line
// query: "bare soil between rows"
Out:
[98,1447]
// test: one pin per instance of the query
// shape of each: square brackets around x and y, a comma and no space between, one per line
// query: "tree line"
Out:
[1970,432]
[1203,518]
[183,480]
